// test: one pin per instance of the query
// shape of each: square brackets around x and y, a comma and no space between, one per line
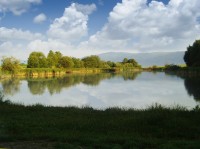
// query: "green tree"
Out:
[111,64]
[118,65]
[37,60]
[51,57]
[104,64]
[192,55]
[58,56]
[133,62]
[66,62]
[125,60]
[78,63]
[10,64]
[92,61]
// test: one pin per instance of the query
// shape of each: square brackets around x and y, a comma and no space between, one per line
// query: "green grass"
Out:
[71,127]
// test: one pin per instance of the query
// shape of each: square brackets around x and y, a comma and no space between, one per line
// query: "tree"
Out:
[92,61]
[192,55]
[51,59]
[37,60]
[78,63]
[111,64]
[130,63]
[10,64]
[104,64]
[125,60]
[133,62]
[66,62]
[58,56]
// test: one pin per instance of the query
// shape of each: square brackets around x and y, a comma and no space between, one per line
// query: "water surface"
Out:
[127,90]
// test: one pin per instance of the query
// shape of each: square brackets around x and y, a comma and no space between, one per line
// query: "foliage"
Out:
[104,64]
[37,60]
[111,64]
[78,63]
[57,60]
[130,63]
[125,60]
[172,67]
[53,59]
[133,62]
[66,62]
[192,55]
[92,61]
[10,64]
[157,127]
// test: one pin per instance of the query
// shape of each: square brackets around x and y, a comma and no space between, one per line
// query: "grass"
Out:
[80,128]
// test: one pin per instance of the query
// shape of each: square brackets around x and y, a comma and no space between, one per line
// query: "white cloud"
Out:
[72,26]
[17,34]
[12,49]
[40,18]
[13,42]
[57,45]
[17,7]
[133,26]
[138,26]
[62,32]
[85,9]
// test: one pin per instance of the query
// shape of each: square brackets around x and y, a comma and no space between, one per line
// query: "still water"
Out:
[100,91]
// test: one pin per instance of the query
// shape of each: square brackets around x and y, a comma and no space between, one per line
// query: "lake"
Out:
[100,91]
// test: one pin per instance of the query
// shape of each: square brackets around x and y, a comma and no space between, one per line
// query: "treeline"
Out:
[58,60]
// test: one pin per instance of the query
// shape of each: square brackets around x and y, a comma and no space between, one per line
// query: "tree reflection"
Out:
[55,85]
[191,82]
[130,76]
[192,85]
[11,86]
[95,79]
[38,86]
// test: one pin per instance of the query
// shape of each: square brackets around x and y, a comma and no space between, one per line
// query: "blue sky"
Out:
[54,9]
[84,27]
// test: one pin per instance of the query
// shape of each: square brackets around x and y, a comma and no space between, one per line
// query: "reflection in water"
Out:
[104,90]
[55,85]
[192,86]
[127,76]
[11,86]
[37,86]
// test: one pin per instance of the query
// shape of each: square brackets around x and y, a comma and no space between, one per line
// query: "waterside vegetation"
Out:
[55,64]
[114,128]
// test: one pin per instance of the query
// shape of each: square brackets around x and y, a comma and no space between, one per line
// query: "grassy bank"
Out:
[70,127]
[175,69]
[50,72]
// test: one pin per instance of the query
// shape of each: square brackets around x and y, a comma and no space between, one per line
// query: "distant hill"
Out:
[146,59]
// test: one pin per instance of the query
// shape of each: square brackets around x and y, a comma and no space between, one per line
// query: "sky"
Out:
[87,27]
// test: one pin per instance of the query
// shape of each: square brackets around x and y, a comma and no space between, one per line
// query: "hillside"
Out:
[146,59]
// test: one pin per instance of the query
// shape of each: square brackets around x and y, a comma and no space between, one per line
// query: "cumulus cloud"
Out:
[138,25]
[14,34]
[60,35]
[9,48]
[17,7]
[57,45]
[40,18]
[72,26]
[13,42]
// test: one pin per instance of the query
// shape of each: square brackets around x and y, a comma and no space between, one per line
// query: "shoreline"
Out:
[72,127]
[46,73]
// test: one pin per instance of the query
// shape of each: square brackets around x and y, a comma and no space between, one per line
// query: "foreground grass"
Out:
[70,127]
